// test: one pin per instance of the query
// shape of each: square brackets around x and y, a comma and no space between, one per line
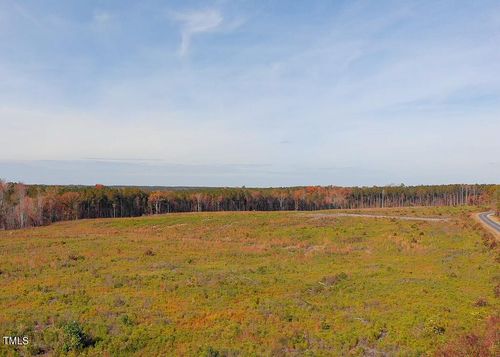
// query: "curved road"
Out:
[487,220]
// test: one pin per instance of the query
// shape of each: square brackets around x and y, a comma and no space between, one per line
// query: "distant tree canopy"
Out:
[34,205]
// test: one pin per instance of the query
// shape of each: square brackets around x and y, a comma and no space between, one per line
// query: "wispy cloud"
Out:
[101,20]
[26,14]
[194,23]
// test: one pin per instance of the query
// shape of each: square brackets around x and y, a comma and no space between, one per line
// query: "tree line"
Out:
[24,206]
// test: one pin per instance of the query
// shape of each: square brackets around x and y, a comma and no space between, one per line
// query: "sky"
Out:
[254,93]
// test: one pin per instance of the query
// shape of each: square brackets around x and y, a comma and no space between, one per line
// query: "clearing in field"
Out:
[248,283]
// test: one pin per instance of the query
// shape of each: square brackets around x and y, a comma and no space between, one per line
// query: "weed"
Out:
[333,279]
[481,302]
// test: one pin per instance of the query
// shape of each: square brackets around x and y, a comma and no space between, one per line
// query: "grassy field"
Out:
[274,283]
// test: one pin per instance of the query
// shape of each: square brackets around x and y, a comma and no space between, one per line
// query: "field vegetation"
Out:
[253,284]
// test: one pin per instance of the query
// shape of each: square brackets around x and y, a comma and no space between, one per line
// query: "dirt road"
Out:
[406,218]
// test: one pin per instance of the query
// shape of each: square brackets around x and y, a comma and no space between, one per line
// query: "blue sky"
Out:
[255,93]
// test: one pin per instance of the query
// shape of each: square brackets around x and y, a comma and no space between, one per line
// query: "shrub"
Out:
[481,302]
[127,320]
[75,339]
[333,279]
[478,345]
[76,257]
[211,352]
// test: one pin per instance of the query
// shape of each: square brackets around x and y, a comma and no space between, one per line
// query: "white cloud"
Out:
[196,22]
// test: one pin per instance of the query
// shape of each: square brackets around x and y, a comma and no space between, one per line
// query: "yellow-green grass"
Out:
[247,283]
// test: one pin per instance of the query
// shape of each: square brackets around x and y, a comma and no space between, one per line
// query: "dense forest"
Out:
[34,205]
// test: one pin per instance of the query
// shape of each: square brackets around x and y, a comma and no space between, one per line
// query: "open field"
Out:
[248,283]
